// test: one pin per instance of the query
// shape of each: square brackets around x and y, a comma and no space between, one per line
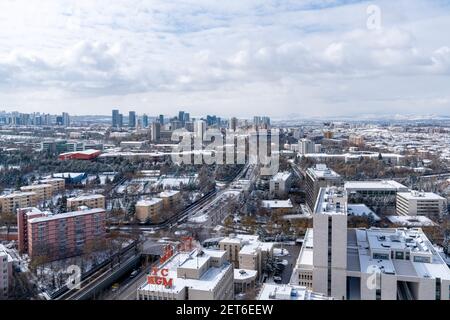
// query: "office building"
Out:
[318,177]
[374,193]
[233,124]
[198,275]
[368,264]
[306,146]
[280,183]
[181,117]
[161,119]
[132,119]
[199,129]
[145,121]
[117,119]
[417,203]
[155,131]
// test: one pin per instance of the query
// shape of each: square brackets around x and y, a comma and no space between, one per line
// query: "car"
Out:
[115,287]
[134,273]
[277,279]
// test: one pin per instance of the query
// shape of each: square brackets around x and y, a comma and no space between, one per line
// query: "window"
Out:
[421,259]
[380,256]
[399,255]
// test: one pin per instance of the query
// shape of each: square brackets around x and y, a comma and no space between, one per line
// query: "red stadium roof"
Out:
[80,155]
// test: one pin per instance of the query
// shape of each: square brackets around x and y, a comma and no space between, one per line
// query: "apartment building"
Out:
[91,201]
[58,236]
[148,210]
[318,177]
[58,184]
[170,198]
[43,191]
[197,275]
[5,272]
[11,202]
[368,264]
[417,203]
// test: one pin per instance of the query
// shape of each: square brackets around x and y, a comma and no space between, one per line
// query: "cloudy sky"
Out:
[234,57]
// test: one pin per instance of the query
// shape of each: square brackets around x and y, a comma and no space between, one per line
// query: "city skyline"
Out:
[308,58]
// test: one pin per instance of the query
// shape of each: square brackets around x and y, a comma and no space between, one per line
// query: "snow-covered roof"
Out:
[275,204]
[375,185]
[50,217]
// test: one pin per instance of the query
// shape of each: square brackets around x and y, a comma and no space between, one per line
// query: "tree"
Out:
[228,222]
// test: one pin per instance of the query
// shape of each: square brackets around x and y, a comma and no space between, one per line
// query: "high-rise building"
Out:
[58,236]
[233,124]
[65,119]
[155,131]
[306,146]
[6,262]
[330,243]
[116,123]
[181,117]
[318,177]
[132,119]
[161,119]
[145,121]
[187,117]
[199,128]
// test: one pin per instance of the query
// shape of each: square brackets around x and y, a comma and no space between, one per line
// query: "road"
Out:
[128,287]
[215,211]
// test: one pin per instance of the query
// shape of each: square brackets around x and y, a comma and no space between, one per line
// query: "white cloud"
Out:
[101,54]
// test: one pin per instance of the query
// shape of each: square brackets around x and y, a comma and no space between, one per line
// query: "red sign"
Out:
[160,277]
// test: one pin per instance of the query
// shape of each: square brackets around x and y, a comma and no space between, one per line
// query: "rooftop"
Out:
[361,210]
[148,202]
[288,292]
[273,204]
[207,281]
[411,221]
[281,176]
[86,197]
[424,260]
[331,200]
[321,171]
[48,216]
[168,193]
[416,195]
[375,185]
